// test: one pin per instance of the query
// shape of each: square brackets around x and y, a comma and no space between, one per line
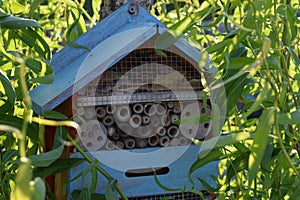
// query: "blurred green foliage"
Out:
[255,45]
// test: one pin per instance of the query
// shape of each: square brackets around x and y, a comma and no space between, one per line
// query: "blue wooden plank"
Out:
[89,66]
[146,185]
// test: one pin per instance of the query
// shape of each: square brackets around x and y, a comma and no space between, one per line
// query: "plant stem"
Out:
[28,105]
[285,154]
[102,171]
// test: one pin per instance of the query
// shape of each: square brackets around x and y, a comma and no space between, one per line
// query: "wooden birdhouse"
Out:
[136,105]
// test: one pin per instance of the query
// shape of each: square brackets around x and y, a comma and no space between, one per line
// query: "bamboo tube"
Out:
[125,128]
[189,130]
[141,142]
[89,113]
[174,142]
[153,140]
[101,112]
[150,109]
[129,143]
[119,145]
[146,120]
[122,113]
[144,131]
[161,109]
[111,130]
[167,121]
[115,136]
[164,141]
[110,146]
[138,108]
[135,121]
[173,131]
[177,107]
[170,104]
[108,120]
[155,121]
[174,118]
[183,141]
[111,109]
[161,131]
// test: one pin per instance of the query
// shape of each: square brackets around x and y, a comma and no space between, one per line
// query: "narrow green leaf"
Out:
[9,92]
[223,140]
[163,186]
[213,155]
[207,187]
[96,8]
[69,34]
[238,63]
[259,99]
[218,46]
[296,193]
[50,114]
[46,159]
[59,165]
[12,22]
[289,118]
[110,188]
[260,140]
[34,5]
[32,129]
[240,163]
[44,71]
[198,192]
[294,56]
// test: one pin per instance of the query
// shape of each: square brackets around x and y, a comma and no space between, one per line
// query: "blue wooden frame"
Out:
[146,185]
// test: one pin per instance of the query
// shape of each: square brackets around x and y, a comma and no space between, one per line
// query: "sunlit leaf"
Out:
[289,118]
[9,93]
[260,139]
[12,22]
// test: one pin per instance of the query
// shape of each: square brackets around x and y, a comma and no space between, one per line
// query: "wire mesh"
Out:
[144,76]
[175,196]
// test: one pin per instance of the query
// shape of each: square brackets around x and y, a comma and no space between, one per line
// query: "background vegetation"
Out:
[255,46]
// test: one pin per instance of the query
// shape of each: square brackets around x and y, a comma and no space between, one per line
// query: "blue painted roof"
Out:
[116,29]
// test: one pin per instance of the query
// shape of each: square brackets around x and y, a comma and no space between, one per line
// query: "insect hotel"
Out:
[132,102]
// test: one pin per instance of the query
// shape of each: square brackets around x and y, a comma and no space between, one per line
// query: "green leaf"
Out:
[240,163]
[69,34]
[34,5]
[198,192]
[32,128]
[207,187]
[223,140]
[213,155]
[294,56]
[12,22]
[96,8]
[163,186]
[176,31]
[46,159]
[296,193]
[39,190]
[22,189]
[218,46]
[238,63]
[260,140]
[6,86]
[44,71]
[50,114]
[110,188]
[33,39]
[58,166]
[289,118]
[259,99]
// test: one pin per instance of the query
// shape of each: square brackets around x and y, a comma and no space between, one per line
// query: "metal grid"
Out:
[174,196]
[144,76]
